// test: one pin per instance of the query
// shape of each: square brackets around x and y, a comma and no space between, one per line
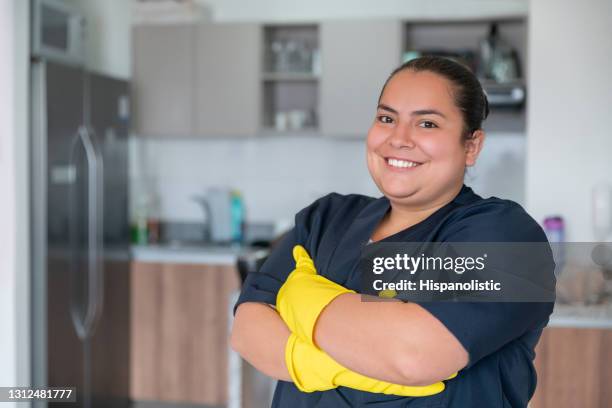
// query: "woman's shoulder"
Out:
[332,211]
[493,219]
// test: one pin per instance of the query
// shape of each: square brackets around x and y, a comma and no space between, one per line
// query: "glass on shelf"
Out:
[292,56]
[280,61]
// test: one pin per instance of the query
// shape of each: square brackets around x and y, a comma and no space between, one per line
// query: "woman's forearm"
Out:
[389,340]
[353,338]
[259,335]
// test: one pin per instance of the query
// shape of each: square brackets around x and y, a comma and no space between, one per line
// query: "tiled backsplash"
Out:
[279,176]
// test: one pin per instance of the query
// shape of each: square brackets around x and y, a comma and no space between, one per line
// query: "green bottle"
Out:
[237,212]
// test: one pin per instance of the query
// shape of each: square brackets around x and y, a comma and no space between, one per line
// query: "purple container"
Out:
[554,228]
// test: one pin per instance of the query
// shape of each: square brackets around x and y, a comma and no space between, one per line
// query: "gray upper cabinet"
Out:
[163,64]
[357,57]
[228,87]
[197,80]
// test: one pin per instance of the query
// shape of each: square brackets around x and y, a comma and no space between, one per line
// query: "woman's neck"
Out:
[401,217]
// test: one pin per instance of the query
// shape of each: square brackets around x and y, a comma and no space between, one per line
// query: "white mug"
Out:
[297,118]
[281,120]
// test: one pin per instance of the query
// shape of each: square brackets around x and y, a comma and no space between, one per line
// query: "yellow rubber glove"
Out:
[314,370]
[304,295]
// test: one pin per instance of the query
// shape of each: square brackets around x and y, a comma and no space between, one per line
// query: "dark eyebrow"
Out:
[387,108]
[414,113]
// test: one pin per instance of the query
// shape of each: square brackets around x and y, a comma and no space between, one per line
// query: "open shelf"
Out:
[462,39]
[290,78]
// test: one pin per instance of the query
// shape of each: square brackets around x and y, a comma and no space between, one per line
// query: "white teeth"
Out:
[401,163]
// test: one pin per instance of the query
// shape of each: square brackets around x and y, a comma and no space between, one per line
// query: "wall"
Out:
[14,263]
[569,123]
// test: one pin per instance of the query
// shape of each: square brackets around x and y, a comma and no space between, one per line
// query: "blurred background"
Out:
[152,151]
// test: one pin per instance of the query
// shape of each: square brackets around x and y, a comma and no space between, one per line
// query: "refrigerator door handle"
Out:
[84,327]
[97,222]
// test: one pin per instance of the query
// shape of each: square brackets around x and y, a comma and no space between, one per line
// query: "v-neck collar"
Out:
[379,208]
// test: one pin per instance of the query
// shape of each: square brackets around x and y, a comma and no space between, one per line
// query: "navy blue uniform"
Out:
[500,337]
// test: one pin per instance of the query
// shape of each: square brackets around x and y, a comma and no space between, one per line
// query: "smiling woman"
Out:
[426,131]
[429,134]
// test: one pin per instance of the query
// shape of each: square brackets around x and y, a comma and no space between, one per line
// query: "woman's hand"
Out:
[304,295]
[312,369]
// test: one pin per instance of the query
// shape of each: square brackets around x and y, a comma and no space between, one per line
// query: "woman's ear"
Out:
[473,146]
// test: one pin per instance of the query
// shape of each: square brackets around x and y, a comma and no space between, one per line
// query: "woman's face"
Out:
[415,151]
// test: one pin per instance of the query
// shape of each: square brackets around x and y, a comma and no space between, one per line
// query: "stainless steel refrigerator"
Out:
[80,234]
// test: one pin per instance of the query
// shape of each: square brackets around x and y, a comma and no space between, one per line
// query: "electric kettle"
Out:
[217,206]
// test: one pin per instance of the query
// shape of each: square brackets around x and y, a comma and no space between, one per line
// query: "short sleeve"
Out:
[262,286]
[485,327]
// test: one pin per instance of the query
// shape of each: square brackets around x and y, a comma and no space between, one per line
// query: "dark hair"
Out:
[468,93]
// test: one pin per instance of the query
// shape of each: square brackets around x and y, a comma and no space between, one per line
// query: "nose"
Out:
[401,137]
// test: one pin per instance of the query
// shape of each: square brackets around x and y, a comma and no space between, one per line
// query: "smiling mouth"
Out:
[401,164]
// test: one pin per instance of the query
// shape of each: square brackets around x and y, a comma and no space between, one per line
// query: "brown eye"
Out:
[385,119]
[428,124]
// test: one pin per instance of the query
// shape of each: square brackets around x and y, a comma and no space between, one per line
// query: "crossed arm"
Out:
[392,341]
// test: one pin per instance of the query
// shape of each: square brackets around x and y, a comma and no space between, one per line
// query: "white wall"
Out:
[14,265]
[570,101]
[290,11]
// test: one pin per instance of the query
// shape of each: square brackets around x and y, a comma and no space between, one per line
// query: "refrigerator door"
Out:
[80,332]
[109,113]
[109,121]
[60,270]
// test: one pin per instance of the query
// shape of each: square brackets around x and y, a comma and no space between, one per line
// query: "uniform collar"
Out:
[371,215]
[357,235]
[380,206]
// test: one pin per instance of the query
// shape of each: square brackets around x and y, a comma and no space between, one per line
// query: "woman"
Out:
[427,131]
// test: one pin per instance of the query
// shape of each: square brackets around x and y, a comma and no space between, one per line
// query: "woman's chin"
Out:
[399,194]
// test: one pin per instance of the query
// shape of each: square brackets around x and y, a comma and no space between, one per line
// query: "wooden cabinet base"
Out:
[574,369]
[179,332]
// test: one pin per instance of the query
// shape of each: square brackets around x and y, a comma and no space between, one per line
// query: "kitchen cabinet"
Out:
[357,57]
[217,80]
[163,64]
[574,368]
[179,331]
[196,80]
[227,87]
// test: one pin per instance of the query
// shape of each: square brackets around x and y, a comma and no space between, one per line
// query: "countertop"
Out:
[191,254]
[582,316]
